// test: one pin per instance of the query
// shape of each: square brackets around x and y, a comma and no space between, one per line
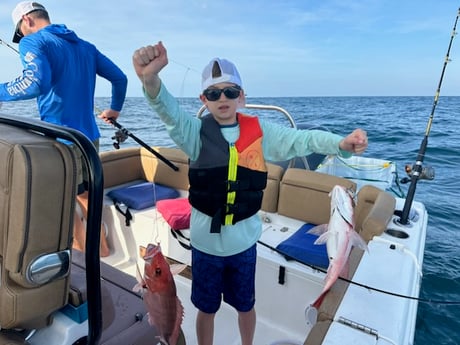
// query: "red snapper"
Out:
[165,311]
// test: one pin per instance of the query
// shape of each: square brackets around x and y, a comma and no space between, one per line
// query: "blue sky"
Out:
[281,48]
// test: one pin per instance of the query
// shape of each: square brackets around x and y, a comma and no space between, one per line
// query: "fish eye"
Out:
[158,271]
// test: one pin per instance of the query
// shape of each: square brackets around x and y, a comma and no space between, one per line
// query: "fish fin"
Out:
[322,239]
[162,340]
[159,339]
[318,230]
[358,241]
[150,319]
[142,251]
[179,317]
[177,268]
[138,288]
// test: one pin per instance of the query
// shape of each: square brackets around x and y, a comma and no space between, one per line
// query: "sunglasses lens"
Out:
[212,94]
[230,92]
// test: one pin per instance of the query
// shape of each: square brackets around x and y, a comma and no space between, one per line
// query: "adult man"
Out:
[60,70]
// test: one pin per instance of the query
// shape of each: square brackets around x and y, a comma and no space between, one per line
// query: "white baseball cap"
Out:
[23,8]
[220,71]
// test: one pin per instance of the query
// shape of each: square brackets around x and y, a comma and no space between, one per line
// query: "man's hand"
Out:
[109,114]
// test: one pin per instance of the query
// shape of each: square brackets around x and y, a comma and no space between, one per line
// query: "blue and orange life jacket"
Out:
[227,181]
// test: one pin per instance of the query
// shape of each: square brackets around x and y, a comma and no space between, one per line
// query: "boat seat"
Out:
[271,191]
[36,236]
[373,212]
[304,195]
[139,164]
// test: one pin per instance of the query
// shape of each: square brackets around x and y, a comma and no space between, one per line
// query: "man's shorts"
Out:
[82,170]
[231,277]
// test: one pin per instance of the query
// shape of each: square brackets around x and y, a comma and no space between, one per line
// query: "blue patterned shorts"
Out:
[229,277]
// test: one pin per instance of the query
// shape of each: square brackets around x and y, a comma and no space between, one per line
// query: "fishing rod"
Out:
[122,134]
[417,171]
[9,46]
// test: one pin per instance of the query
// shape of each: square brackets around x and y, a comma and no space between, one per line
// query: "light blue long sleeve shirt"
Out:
[279,143]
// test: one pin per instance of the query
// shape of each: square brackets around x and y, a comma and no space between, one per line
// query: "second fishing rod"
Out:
[416,172]
[2,42]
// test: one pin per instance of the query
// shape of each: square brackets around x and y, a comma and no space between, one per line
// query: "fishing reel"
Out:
[427,173]
[120,137]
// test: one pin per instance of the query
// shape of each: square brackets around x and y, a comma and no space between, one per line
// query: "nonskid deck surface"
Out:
[226,324]
[280,308]
[359,305]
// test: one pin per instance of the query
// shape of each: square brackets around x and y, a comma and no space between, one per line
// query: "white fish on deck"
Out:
[340,236]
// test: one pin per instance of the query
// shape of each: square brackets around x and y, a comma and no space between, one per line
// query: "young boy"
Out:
[227,152]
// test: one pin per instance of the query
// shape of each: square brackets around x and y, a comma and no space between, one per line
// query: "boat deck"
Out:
[378,306]
[283,308]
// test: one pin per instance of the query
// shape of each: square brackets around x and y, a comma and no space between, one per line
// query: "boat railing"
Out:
[362,170]
[261,107]
[304,162]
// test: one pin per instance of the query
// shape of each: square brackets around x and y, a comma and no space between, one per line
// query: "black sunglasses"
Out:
[213,94]
[18,30]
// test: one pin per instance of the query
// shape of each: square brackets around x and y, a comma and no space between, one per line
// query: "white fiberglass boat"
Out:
[50,295]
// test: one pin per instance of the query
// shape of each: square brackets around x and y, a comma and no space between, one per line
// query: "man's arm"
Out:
[107,69]
[35,77]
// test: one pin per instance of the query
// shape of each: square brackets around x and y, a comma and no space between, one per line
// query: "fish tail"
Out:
[316,304]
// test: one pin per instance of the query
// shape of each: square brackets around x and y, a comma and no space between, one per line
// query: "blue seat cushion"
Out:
[142,195]
[300,246]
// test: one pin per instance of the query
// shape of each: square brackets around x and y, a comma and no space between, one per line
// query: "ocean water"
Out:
[396,127]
